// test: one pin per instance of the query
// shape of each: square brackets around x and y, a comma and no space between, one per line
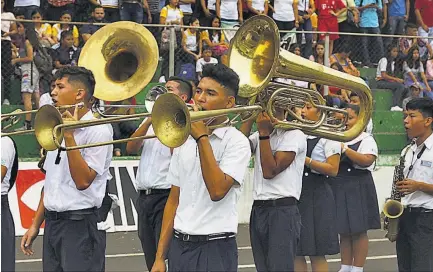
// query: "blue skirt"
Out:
[356,199]
[319,235]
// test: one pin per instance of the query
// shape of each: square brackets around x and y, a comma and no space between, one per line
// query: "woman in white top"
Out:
[191,43]
[230,12]
[414,72]
[355,196]
[257,7]
[8,28]
[316,205]
[286,15]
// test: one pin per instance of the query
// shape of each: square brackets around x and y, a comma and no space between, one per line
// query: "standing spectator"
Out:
[408,43]
[54,9]
[398,14]
[286,15]
[216,41]
[349,25]
[171,14]
[43,30]
[329,10]
[415,92]
[414,72]
[57,29]
[98,15]
[387,78]
[209,8]
[26,7]
[186,7]
[8,28]
[257,7]
[111,9]
[369,23]
[424,16]
[132,10]
[230,13]
[305,9]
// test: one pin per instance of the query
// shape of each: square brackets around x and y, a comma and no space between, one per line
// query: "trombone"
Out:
[171,121]
[15,116]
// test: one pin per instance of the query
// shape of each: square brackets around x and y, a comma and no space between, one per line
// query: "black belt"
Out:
[203,238]
[69,215]
[418,210]
[286,201]
[154,191]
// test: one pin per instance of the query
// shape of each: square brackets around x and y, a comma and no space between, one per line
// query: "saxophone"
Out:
[393,208]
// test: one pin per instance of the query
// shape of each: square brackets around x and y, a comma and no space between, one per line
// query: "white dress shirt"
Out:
[8,156]
[324,149]
[197,214]
[368,146]
[154,164]
[422,171]
[288,183]
[60,191]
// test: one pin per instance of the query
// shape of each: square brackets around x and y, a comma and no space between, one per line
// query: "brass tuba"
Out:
[256,56]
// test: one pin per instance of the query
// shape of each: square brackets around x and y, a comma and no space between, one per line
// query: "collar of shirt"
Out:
[86,117]
[428,143]
[220,132]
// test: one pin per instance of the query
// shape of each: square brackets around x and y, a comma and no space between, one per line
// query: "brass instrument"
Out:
[256,56]
[393,208]
[171,121]
[123,57]
[12,118]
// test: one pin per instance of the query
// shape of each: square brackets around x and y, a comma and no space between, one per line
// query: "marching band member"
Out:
[151,181]
[317,205]
[355,196]
[9,174]
[206,172]
[415,236]
[75,184]
[275,222]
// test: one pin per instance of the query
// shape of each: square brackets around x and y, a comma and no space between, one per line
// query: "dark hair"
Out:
[339,67]
[423,105]
[411,25]
[224,76]
[78,74]
[214,31]
[410,61]
[316,57]
[355,108]
[36,11]
[206,48]
[353,94]
[185,86]
[390,60]
[96,7]
[65,34]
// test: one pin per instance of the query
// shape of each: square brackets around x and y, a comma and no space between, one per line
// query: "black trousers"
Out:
[7,236]
[415,241]
[210,256]
[73,244]
[150,211]
[274,234]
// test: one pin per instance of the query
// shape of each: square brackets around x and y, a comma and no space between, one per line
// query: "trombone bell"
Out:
[46,119]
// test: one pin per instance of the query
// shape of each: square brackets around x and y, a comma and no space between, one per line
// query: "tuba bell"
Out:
[123,57]
[256,56]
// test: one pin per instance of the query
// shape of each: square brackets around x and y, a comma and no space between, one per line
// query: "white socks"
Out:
[345,268]
[357,269]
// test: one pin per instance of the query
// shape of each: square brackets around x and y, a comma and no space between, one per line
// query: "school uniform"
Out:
[153,188]
[9,159]
[72,241]
[355,192]
[415,237]
[275,222]
[317,205]
[205,230]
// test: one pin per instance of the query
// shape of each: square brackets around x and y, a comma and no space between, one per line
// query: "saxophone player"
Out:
[415,236]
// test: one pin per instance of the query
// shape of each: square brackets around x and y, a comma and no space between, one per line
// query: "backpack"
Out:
[187,71]
[43,61]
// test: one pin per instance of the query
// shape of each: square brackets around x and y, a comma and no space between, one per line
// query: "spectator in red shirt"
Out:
[424,16]
[328,13]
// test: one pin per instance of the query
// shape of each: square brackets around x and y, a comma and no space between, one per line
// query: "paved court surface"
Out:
[124,253]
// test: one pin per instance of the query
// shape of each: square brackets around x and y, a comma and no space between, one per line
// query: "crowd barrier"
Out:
[24,196]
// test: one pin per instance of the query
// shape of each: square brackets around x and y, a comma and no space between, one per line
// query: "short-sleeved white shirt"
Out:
[197,214]
[229,10]
[154,164]
[8,156]
[6,25]
[258,4]
[60,191]
[422,171]
[288,183]
[368,146]
[381,67]
[324,149]
[284,11]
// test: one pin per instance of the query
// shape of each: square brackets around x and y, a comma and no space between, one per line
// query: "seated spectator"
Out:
[415,92]
[216,41]
[387,79]
[414,72]
[59,28]
[206,59]
[66,54]
[191,43]
[408,43]
[42,29]
[111,9]
[337,93]
[98,15]
[424,16]
[343,59]
[319,54]
[328,13]
[23,57]
[429,72]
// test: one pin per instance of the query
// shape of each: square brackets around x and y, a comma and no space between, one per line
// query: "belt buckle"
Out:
[147,191]
[185,237]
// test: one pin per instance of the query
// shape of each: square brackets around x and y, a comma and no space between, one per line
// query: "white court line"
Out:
[239,248]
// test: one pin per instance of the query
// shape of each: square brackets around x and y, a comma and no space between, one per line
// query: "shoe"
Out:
[396,108]
[6,102]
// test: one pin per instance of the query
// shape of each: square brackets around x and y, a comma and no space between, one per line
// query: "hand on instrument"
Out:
[264,124]
[27,240]
[408,186]
[198,128]
[158,265]
[67,116]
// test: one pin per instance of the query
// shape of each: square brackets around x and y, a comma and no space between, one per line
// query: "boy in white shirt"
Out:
[206,59]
